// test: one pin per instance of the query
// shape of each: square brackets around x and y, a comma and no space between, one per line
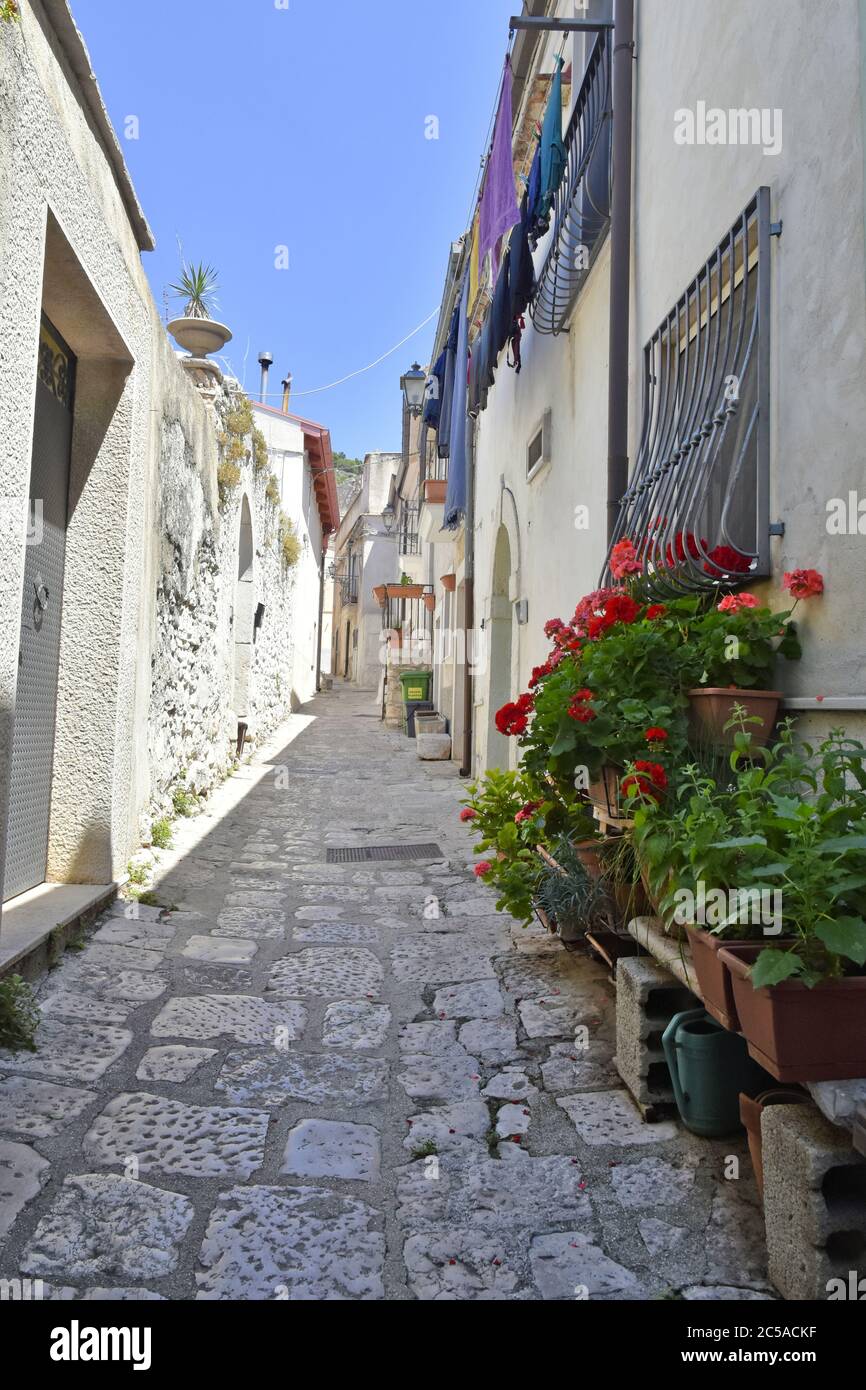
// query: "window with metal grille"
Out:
[697,505]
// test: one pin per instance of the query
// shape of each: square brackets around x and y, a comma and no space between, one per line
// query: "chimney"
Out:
[287,391]
[266,360]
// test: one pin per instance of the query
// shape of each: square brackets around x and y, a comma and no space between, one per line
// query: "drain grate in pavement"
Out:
[363,854]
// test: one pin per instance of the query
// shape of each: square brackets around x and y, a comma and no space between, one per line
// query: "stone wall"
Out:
[192,722]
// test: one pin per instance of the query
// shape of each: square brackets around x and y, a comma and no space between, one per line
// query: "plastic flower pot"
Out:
[751,1110]
[711,707]
[800,1034]
[714,980]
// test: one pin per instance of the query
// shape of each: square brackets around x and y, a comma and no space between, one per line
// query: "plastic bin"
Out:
[410,709]
[416,685]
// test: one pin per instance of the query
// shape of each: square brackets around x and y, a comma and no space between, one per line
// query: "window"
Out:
[538,449]
[697,506]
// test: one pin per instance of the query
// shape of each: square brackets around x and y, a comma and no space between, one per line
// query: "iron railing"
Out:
[409,540]
[408,620]
[581,216]
[697,507]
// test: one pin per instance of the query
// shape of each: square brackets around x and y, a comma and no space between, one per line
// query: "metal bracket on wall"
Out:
[776,528]
[776,228]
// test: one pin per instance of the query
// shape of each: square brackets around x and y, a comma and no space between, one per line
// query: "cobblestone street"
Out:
[346,1081]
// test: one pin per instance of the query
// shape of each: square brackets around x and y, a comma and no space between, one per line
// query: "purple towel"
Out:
[499,210]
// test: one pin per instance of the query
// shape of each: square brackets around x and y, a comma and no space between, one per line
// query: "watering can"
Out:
[709,1068]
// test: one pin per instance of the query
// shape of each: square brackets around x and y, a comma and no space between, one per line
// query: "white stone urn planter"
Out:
[199,336]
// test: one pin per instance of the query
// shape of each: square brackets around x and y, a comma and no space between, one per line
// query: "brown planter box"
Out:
[379,594]
[714,980]
[449,582]
[404,590]
[435,489]
[710,708]
[800,1034]
[604,791]
[750,1114]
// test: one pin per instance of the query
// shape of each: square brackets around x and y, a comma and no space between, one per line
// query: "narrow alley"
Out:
[348,1080]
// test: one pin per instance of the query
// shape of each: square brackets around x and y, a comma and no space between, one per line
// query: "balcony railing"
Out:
[581,217]
[408,622]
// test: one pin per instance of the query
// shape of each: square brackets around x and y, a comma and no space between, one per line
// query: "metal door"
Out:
[42,602]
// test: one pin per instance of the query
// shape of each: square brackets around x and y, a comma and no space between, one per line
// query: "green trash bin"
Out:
[416,685]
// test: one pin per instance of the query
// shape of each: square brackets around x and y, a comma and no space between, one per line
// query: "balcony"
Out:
[581,215]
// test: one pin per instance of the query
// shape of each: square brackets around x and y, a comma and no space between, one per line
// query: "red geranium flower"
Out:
[723,559]
[655,610]
[468,814]
[804,583]
[656,735]
[527,812]
[684,541]
[482,868]
[733,603]
[552,626]
[623,559]
[654,771]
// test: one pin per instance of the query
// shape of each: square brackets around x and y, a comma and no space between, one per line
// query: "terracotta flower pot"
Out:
[710,708]
[449,582]
[589,853]
[435,489]
[404,590]
[800,1034]
[430,602]
[751,1110]
[379,593]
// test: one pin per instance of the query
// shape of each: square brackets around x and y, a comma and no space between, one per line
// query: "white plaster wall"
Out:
[804,60]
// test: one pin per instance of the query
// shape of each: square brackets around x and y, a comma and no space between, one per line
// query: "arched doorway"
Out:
[501,618]
[244,613]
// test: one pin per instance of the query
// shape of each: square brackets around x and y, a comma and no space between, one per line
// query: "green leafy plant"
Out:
[567,894]
[228,477]
[508,811]
[9,11]
[272,491]
[185,803]
[425,1150]
[290,546]
[136,873]
[160,833]
[19,1015]
[789,820]
[260,451]
[197,286]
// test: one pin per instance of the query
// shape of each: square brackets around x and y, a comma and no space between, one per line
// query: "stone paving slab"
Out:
[237,1098]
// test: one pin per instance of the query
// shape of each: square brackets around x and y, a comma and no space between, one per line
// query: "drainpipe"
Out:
[469,601]
[266,361]
[620,261]
[286,384]
[321,614]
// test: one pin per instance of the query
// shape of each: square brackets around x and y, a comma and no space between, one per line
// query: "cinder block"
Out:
[814,1202]
[647,997]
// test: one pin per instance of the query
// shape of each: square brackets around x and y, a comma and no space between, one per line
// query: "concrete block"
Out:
[814,1203]
[647,997]
[433,747]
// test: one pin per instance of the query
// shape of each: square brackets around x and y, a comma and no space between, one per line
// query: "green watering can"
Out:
[709,1068]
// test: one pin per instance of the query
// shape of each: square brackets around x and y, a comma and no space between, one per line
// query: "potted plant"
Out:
[449,582]
[429,602]
[729,658]
[405,589]
[196,330]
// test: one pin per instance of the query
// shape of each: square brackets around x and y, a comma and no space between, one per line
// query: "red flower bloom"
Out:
[725,560]
[582,713]
[804,583]
[553,626]
[555,658]
[655,610]
[468,813]
[684,541]
[654,771]
[656,735]
[590,605]
[623,559]
[527,812]
[482,868]
[733,603]
[620,608]
[512,718]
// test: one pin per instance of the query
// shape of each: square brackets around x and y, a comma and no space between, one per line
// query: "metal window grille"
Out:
[582,205]
[697,505]
[410,543]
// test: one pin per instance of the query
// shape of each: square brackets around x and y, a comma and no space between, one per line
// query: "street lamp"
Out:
[389,517]
[412,384]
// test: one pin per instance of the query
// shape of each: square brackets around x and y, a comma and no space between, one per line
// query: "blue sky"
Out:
[304,127]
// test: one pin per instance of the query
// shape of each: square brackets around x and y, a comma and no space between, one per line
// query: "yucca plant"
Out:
[198,286]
